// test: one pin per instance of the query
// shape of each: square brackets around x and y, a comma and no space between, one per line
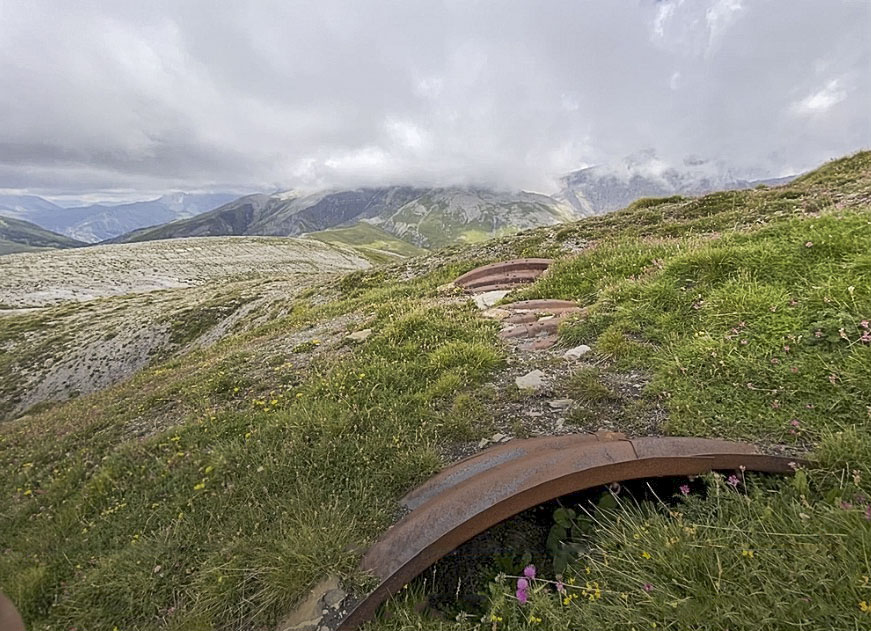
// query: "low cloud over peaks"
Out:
[272,95]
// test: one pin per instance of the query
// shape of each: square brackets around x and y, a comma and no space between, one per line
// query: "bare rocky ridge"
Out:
[46,278]
[83,320]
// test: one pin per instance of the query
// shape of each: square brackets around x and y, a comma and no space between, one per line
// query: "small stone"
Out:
[532,380]
[334,598]
[359,336]
[496,313]
[560,404]
[577,352]
[496,438]
[483,443]
[535,414]
[560,424]
[490,298]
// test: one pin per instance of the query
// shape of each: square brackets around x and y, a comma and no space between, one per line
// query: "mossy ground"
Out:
[213,490]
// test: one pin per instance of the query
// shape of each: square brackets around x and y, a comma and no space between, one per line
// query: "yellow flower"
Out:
[864,607]
[747,553]
[534,620]
[645,554]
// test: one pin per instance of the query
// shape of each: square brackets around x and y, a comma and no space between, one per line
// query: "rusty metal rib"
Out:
[481,491]
[502,275]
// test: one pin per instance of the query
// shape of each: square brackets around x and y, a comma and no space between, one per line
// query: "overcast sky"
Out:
[154,96]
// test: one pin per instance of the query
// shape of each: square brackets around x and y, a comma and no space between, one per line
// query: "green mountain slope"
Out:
[423,217]
[17,235]
[370,239]
[215,489]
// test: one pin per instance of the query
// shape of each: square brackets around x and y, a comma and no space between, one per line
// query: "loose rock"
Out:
[334,598]
[533,380]
[577,352]
[560,404]
[359,336]
[490,298]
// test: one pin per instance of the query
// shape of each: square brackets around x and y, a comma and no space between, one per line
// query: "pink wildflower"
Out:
[868,513]
[795,422]
[560,587]
[647,587]
[846,506]
[522,584]
[733,480]
[685,489]
[786,348]
[809,244]
[522,596]
[529,572]
[865,324]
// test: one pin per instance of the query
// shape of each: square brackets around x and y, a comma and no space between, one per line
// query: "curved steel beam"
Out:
[502,275]
[479,492]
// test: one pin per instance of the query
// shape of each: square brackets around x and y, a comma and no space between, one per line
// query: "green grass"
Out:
[213,490]
[765,554]
[370,239]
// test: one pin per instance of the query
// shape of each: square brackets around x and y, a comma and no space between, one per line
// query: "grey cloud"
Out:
[203,94]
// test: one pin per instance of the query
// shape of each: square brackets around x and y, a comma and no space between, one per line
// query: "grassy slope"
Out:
[368,238]
[31,236]
[11,247]
[257,473]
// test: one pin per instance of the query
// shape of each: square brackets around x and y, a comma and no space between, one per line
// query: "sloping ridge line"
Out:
[477,493]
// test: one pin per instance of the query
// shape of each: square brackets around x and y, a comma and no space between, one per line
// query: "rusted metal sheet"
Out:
[502,275]
[479,492]
[537,320]
[10,619]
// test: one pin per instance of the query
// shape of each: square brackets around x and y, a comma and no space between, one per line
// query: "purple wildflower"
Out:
[864,324]
[733,480]
[794,422]
[560,587]
[685,489]
[522,586]
[529,572]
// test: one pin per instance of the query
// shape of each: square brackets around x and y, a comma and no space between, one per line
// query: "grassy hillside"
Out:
[371,239]
[17,235]
[213,490]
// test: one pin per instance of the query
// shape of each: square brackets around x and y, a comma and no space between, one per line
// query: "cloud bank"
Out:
[178,94]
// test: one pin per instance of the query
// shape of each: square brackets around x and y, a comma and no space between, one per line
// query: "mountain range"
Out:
[98,222]
[426,218]
[17,235]
[395,219]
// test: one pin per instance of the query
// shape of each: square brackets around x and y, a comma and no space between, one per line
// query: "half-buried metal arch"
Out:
[483,490]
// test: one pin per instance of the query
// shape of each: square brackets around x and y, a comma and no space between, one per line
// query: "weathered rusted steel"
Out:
[502,275]
[536,319]
[481,491]
[10,619]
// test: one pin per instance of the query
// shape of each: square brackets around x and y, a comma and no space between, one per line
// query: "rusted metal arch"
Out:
[481,491]
[502,275]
